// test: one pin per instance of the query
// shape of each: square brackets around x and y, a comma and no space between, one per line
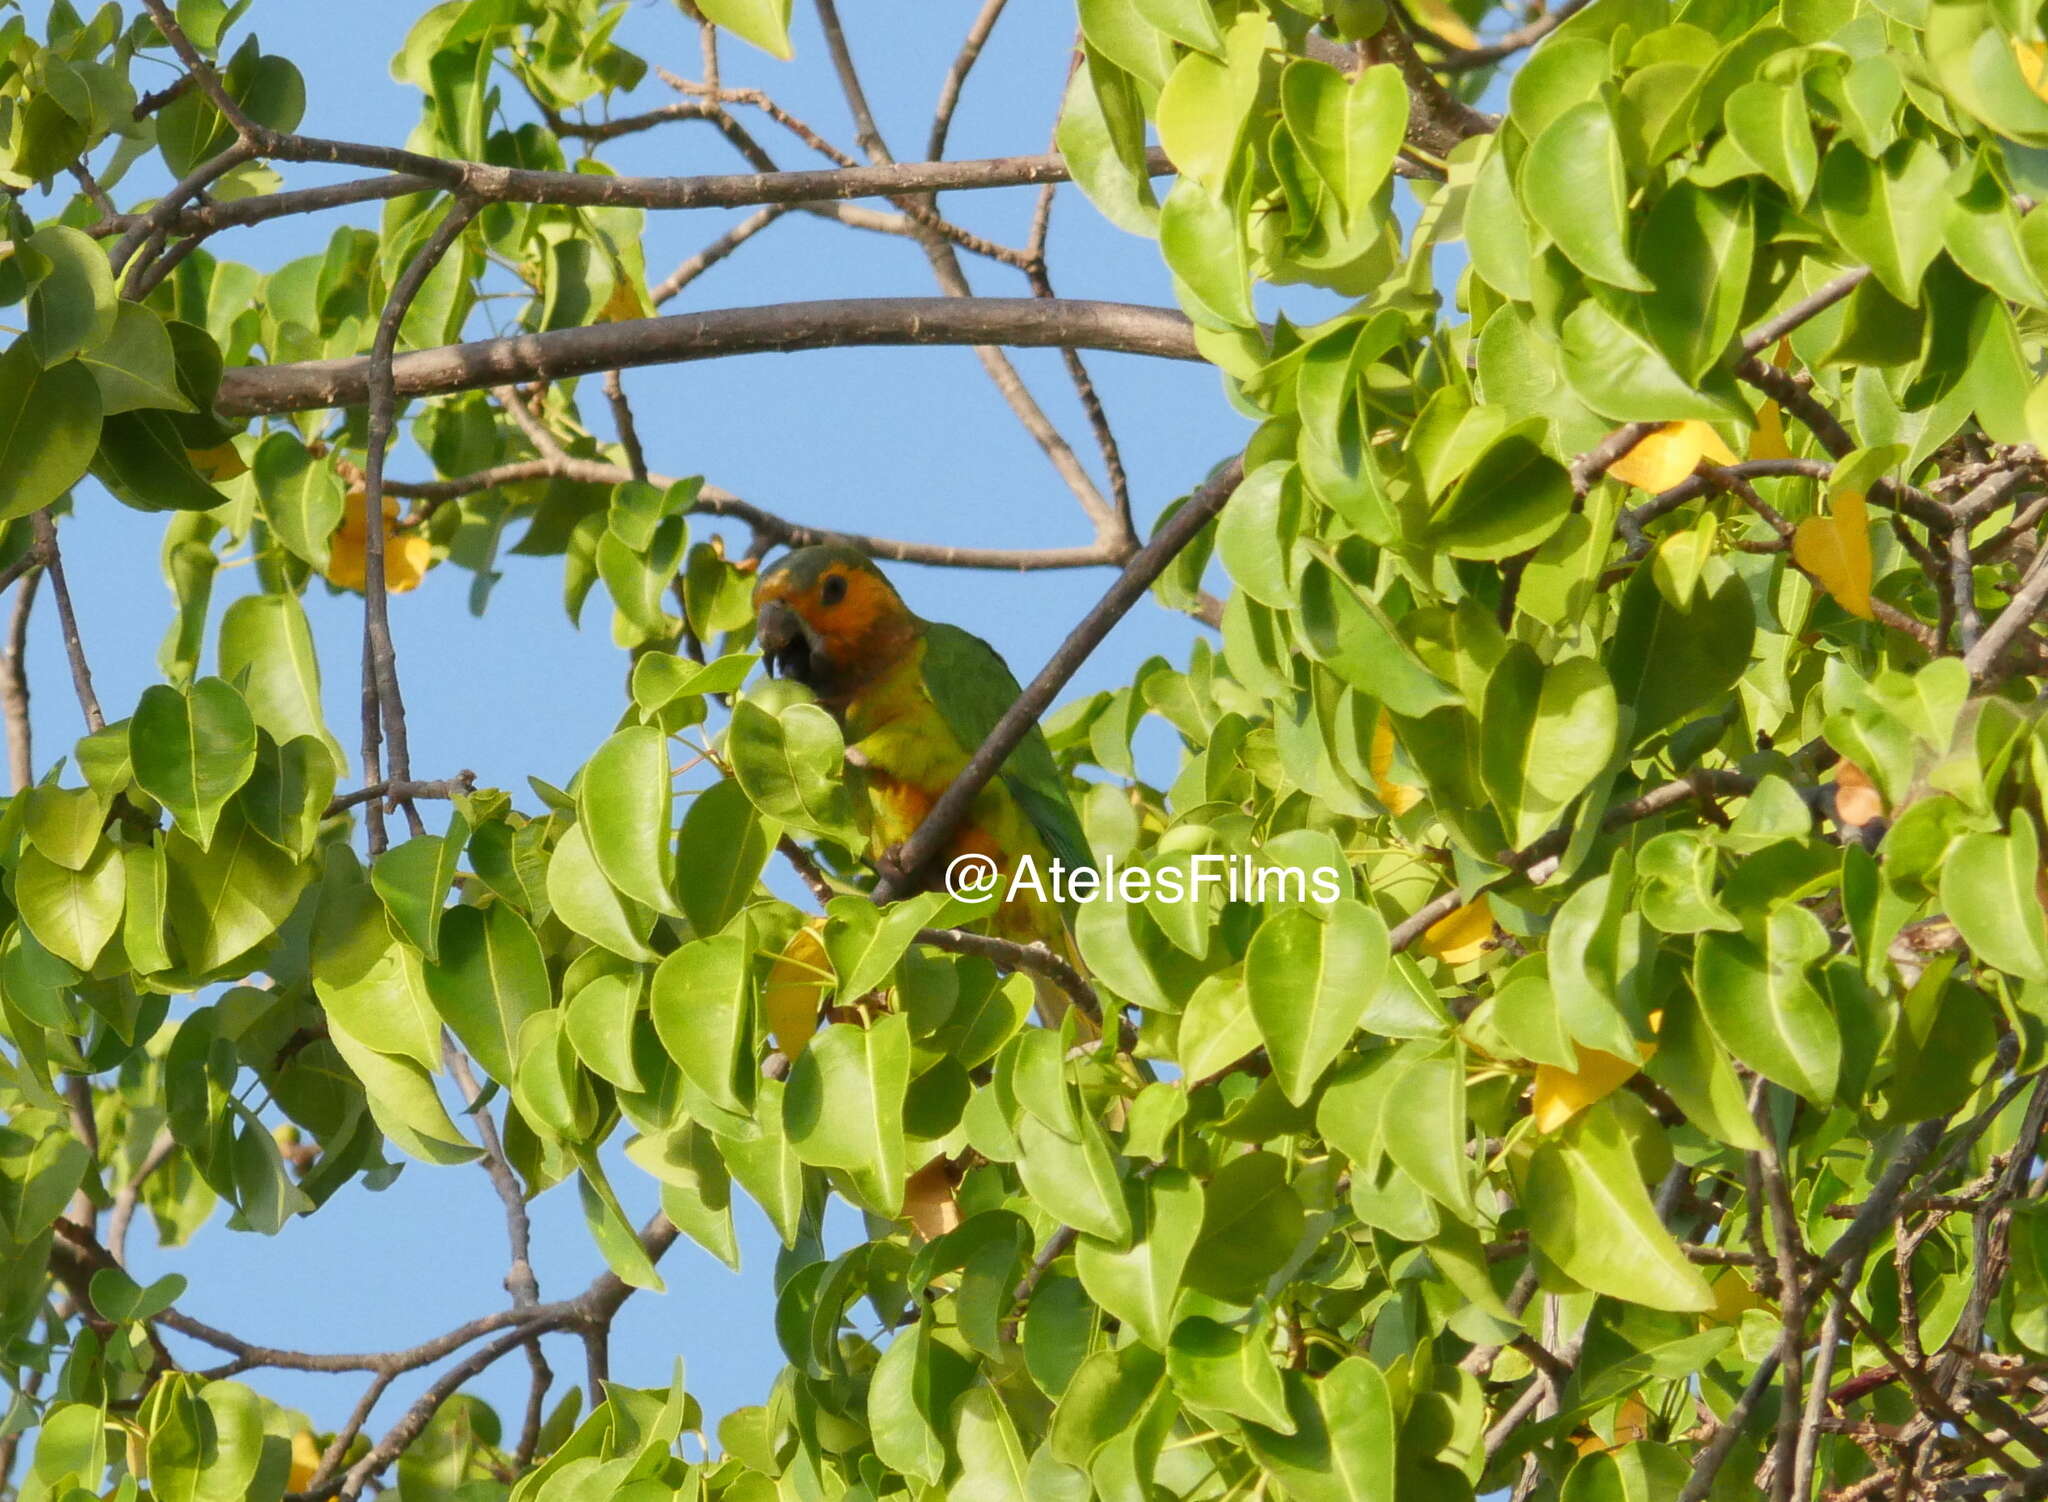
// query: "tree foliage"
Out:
[1632,588]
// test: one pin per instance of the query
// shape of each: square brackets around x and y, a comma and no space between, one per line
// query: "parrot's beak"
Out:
[786,646]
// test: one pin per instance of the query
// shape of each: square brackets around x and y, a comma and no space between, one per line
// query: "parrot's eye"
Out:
[834,589]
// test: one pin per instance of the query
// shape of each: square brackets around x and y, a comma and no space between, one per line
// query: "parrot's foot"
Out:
[890,868]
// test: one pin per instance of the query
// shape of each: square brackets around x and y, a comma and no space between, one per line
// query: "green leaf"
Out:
[865,942]
[1888,214]
[1140,1283]
[592,906]
[1761,1002]
[609,1228]
[1424,1123]
[226,898]
[1670,661]
[414,879]
[703,1007]
[63,823]
[1346,629]
[49,429]
[722,847]
[765,23]
[301,496]
[72,913]
[1589,1213]
[1198,234]
[1101,133]
[1575,186]
[767,1167]
[191,751]
[1201,111]
[1341,1447]
[120,1297]
[1615,370]
[1510,500]
[696,1189]
[1774,128]
[1308,977]
[1695,1072]
[1347,129]
[489,978]
[287,795]
[135,365]
[1229,1371]
[993,1464]
[623,801]
[1251,1222]
[143,461]
[547,1086]
[790,765]
[1075,1178]
[1697,246]
[600,1015]
[1545,734]
[843,1107]
[266,651]
[404,1102]
[71,305]
[1988,890]
[369,982]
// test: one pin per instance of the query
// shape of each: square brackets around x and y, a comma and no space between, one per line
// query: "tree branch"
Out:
[1025,322]
[414,173]
[67,621]
[14,679]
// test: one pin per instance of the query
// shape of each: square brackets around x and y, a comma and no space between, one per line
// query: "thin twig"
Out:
[67,622]
[14,695]
[383,703]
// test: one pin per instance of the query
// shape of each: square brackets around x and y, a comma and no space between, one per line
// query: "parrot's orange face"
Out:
[827,618]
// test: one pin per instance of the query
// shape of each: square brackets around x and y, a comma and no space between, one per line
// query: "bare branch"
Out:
[412,173]
[21,765]
[67,621]
[956,76]
[383,704]
[1466,59]
[2027,603]
[1124,328]
[460,783]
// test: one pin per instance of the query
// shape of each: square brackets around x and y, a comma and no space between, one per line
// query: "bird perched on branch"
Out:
[915,698]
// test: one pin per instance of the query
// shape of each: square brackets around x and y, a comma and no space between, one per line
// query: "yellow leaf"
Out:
[1835,550]
[798,979]
[1399,797]
[928,1202]
[1446,23]
[1857,800]
[406,554]
[1733,1297]
[1460,936]
[627,301]
[1668,455]
[1631,1423]
[1768,440]
[305,1461]
[222,462]
[2033,60]
[1560,1094]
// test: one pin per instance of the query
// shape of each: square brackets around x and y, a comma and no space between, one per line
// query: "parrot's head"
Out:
[826,617]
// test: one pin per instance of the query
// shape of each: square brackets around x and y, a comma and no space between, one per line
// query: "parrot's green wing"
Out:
[972,686]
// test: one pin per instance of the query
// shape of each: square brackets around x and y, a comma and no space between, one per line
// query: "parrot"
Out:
[914,699]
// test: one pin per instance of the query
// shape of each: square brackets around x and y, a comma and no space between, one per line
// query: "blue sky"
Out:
[911,443]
